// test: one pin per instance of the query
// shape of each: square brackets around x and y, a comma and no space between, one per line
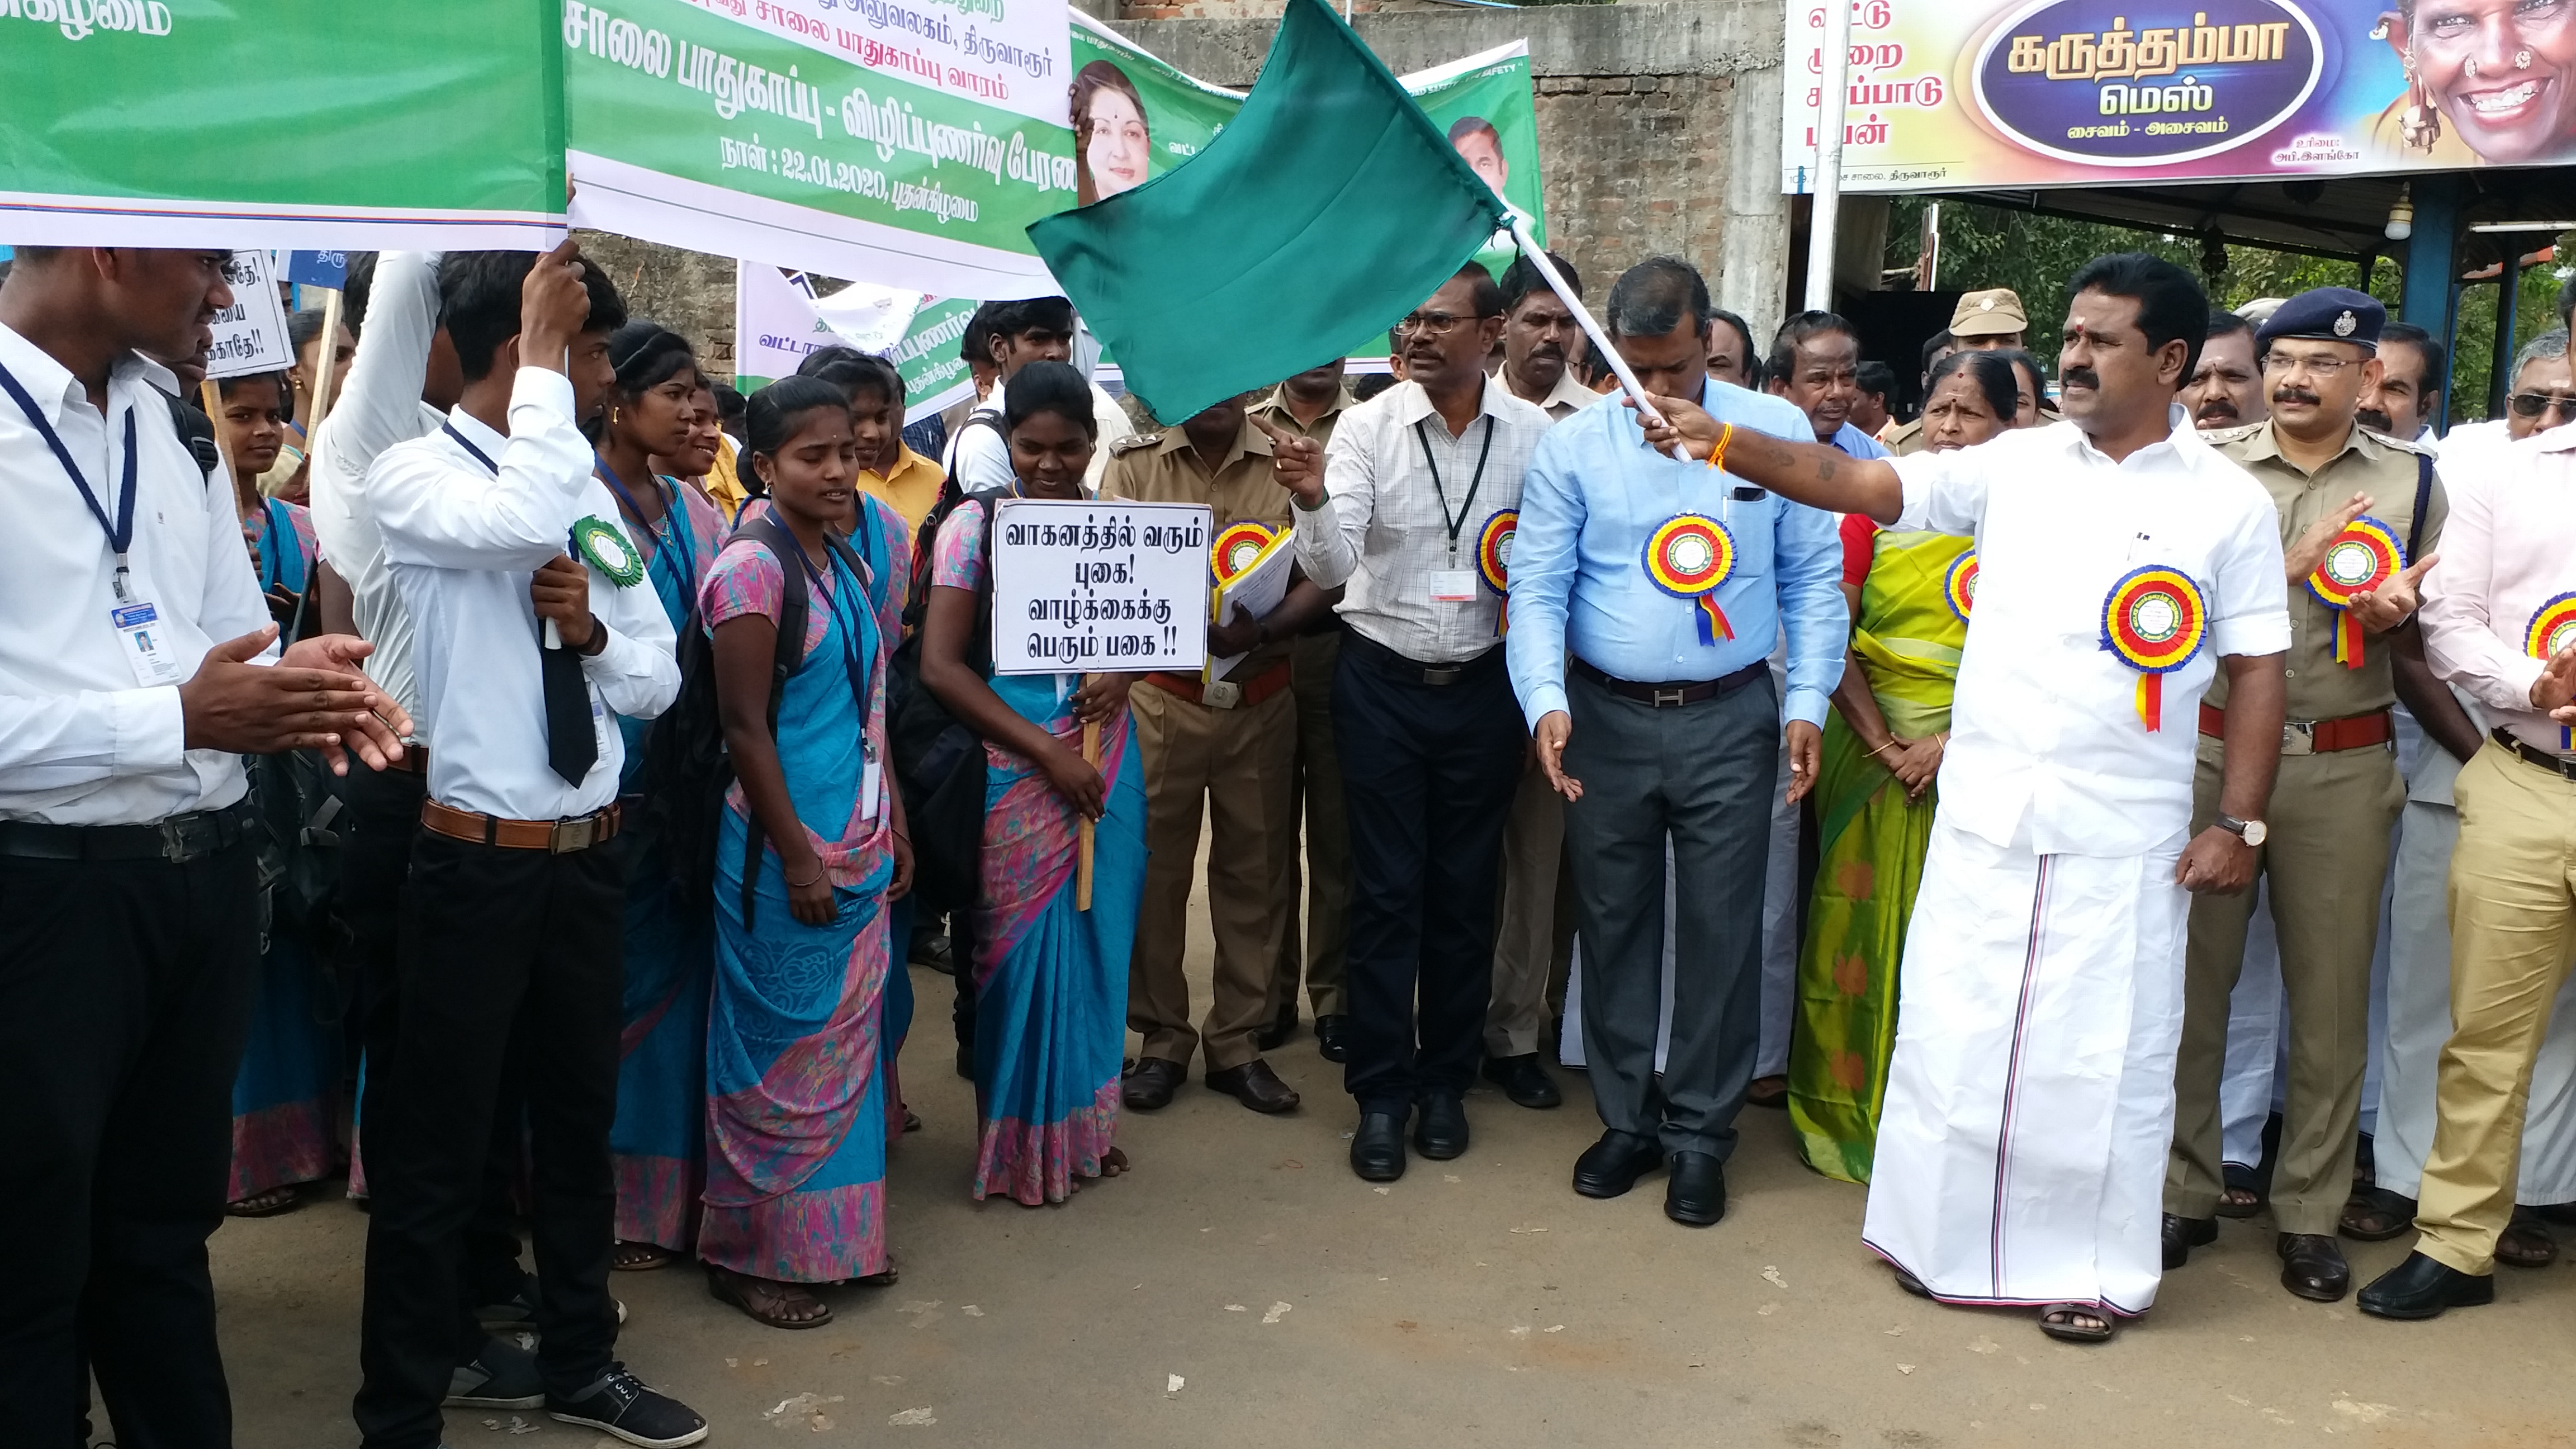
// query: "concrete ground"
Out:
[1242,1288]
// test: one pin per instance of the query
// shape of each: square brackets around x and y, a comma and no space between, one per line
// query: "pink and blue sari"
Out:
[1050,980]
[796,1092]
[284,1093]
[659,1140]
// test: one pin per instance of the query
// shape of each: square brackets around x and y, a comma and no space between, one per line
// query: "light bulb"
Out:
[2401,216]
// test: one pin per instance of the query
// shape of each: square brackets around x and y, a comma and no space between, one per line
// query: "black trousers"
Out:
[124,999]
[493,941]
[384,817]
[1428,773]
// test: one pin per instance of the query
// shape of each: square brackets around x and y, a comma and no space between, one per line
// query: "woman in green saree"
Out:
[1910,596]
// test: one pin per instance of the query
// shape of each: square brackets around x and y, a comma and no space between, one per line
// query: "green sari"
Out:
[1872,844]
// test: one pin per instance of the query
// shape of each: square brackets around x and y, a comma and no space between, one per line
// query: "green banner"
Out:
[910,145]
[934,374]
[288,124]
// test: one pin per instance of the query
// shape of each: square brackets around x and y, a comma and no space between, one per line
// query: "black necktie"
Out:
[571,748]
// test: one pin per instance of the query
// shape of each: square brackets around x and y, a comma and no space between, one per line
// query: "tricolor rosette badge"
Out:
[2362,558]
[1688,556]
[2155,620]
[1237,548]
[2553,628]
[1494,561]
[606,547]
[1959,585]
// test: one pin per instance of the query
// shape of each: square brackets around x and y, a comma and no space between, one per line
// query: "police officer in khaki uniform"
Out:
[1230,746]
[1985,321]
[2324,851]
[1308,405]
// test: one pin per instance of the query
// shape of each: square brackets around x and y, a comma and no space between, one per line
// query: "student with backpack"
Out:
[810,848]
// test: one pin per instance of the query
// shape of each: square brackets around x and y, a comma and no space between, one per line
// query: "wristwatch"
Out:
[2252,832]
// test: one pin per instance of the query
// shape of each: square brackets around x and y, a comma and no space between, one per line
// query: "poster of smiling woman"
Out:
[2074,92]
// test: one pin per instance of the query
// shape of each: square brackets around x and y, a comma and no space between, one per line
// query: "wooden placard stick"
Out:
[1083,831]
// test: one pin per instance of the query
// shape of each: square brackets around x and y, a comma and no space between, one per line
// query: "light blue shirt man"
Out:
[1595,492]
[1858,444]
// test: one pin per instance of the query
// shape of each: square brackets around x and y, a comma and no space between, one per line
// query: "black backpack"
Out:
[684,753]
[297,806]
[937,761]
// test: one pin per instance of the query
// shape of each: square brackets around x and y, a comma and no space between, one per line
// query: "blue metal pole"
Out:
[2430,254]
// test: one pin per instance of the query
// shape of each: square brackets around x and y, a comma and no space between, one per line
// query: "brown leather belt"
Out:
[2557,765]
[2315,737]
[560,837]
[1668,696]
[1224,693]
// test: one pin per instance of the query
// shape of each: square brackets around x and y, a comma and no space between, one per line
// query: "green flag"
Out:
[1330,207]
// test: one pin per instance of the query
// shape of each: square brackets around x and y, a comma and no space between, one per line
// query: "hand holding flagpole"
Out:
[1636,390]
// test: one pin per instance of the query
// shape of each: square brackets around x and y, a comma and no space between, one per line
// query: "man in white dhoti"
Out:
[2121,563]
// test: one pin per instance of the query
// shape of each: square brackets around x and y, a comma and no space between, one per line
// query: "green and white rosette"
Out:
[605,547]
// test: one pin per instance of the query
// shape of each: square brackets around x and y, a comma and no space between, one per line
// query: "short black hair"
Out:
[301,328]
[854,372]
[1990,371]
[2223,323]
[1656,296]
[2171,306]
[647,355]
[1934,343]
[731,406]
[1031,314]
[776,413]
[975,344]
[1049,387]
[1370,385]
[224,386]
[1752,364]
[1522,278]
[478,303]
[1466,126]
[2436,356]
[1801,328]
[1876,379]
[356,287]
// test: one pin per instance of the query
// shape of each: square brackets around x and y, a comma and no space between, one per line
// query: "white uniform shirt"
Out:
[2046,747]
[461,544]
[376,407]
[81,743]
[1384,527]
[2508,548]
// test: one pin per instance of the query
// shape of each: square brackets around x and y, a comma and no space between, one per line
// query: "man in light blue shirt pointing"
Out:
[1660,587]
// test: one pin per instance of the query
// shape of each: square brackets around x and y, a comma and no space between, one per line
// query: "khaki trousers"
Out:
[1238,764]
[2513,928]
[1318,790]
[1536,933]
[2325,861]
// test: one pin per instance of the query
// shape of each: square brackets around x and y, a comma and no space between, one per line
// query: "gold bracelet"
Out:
[819,872]
[1883,749]
[1717,455]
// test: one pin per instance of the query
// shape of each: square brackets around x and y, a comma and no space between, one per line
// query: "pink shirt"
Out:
[2509,549]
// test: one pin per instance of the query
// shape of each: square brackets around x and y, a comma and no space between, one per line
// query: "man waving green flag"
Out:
[1329,207]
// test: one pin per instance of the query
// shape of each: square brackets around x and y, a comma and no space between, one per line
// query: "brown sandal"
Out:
[2376,1214]
[2526,1242]
[265,1204]
[2057,1320]
[765,1302]
[629,1257]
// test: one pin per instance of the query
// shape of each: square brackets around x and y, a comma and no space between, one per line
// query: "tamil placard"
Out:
[1081,587]
[250,335]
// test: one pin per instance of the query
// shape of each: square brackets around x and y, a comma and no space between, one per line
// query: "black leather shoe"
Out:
[1150,1086]
[1256,1086]
[1328,1038]
[2184,1234]
[1440,1126]
[1283,1026]
[1523,1080]
[2312,1266]
[1695,1195]
[1612,1165]
[2422,1288]
[1377,1148]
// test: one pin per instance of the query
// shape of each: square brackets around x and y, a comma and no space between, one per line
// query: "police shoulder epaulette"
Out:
[1133,441]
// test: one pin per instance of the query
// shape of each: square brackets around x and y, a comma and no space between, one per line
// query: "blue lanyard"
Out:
[120,532]
[856,667]
[479,455]
[672,509]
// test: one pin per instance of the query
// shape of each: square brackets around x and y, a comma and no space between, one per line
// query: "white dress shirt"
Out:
[2046,748]
[377,406]
[1384,528]
[2509,547]
[461,544]
[81,741]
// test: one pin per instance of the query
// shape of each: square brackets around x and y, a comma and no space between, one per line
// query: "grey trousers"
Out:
[1702,775]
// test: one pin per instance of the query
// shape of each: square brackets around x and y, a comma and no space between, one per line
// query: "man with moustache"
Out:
[1730,351]
[2409,395]
[2226,390]
[1815,364]
[2337,792]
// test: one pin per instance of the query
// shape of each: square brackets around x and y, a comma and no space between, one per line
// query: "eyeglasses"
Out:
[2322,368]
[2533,404]
[1431,324]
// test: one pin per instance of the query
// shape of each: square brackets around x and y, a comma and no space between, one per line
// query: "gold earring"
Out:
[2421,125]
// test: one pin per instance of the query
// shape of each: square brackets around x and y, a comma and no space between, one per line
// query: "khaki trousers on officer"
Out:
[1328,840]
[2513,929]
[1537,895]
[1238,764]
[2323,864]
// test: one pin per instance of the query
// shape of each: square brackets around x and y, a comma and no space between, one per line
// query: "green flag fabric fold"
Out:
[1330,207]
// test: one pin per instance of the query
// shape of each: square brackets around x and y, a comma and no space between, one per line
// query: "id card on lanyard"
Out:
[141,630]
[1454,585]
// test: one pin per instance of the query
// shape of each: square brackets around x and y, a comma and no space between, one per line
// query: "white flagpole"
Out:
[1600,340]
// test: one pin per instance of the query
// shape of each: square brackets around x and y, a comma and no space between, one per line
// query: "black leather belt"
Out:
[179,839]
[1414,671]
[2556,764]
[1672,695]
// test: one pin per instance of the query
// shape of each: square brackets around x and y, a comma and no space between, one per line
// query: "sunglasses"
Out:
[2533,404]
